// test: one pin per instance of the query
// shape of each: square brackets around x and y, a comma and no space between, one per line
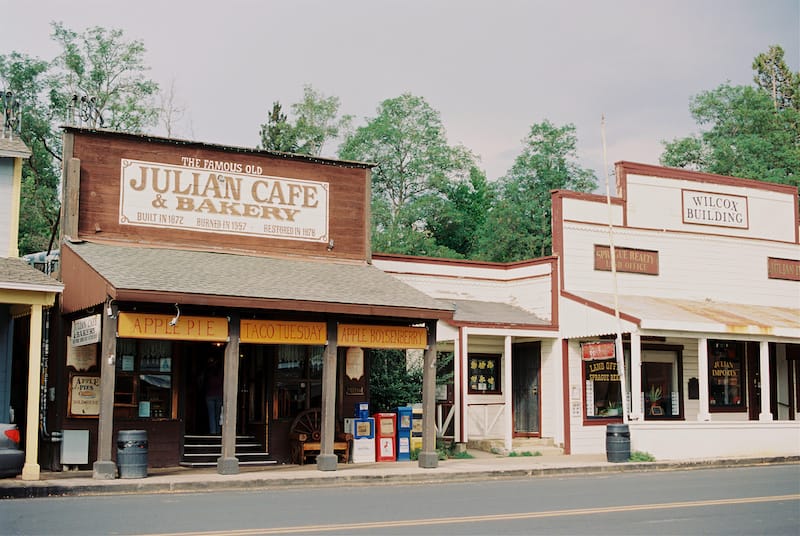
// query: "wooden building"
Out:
[177,255]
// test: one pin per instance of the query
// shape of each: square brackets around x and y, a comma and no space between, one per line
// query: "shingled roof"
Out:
[13,148]
[16,274]
[200,273]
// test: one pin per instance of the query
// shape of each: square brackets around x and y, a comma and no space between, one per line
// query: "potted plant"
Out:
[654,396]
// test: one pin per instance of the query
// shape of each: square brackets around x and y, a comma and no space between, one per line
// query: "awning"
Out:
[473,312]
[651,313]
[145,274]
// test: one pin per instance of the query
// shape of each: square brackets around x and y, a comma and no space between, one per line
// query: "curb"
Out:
[34,490]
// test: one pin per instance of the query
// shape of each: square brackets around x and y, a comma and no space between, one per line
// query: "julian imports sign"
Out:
[229,199]
[709,208]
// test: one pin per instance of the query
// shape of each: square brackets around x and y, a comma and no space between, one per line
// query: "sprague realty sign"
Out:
[222,197]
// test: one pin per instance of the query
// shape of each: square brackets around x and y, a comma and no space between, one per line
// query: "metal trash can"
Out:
[132,453]
[618,443]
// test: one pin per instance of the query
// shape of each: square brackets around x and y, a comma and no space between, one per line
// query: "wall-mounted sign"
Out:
[783,269]
[187,328]
[354,363]
[279,332]
[398,337]
[84,395]
[228,199]
[81,357]
[598,350]
[635,261]
[86,330]
[709,208]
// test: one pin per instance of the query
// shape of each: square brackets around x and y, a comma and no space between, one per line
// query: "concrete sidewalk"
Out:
[482,467]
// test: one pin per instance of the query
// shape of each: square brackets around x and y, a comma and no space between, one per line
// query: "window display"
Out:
[725,375]
[603,392]
[484,374]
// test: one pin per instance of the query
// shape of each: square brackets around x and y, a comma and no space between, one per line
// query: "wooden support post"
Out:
[105,468]
[327,460]
[228,463]
[31,469]
[429,458]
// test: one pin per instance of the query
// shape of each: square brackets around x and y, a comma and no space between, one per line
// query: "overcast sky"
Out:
[491,68]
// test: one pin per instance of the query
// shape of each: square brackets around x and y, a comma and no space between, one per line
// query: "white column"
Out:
[702,377]
[636,377]
[508,423]
[458,369]
[464,380]
[765,414]
[31,469]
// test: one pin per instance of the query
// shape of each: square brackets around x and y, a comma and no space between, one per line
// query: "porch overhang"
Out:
[592,313]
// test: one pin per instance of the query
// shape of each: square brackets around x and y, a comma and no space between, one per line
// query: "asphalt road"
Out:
[747,500]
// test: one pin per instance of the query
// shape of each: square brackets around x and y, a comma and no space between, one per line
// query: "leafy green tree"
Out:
[392,383]
[519,225]
[750,132]
[28,80]
[775,77]
[317,122]
[101,64]
[97,63]
[407,141]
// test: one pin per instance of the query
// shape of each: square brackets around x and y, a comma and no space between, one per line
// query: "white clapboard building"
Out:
[705,294]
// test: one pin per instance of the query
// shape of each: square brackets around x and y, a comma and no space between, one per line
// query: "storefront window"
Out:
[725,375]
[298,384]
[603,392]
[484,374]
[661,372]
[144,378]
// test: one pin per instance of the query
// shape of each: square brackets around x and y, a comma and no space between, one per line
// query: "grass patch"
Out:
[639,456]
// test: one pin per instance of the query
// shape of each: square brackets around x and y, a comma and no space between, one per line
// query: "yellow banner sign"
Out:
[399,337]
[187,328]
[278,332]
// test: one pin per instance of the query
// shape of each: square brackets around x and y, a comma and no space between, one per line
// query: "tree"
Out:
[751,132]
[414,163]
[28,80]
[100,64]
[519,224]
[775,77]
[316,123]
[277,134]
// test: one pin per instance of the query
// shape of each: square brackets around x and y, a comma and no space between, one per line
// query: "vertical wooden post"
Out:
[105,468]
[228,463]
[327,460]
[429,458]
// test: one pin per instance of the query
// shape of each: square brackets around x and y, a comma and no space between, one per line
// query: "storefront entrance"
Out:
[525,369]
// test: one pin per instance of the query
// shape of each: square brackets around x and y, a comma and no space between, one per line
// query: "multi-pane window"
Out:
[298,379]
[144,380]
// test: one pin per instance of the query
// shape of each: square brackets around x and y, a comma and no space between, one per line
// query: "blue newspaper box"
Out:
[362,410]
[404,424]
[363,430]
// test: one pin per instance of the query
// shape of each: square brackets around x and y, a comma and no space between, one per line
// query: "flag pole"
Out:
[618,346]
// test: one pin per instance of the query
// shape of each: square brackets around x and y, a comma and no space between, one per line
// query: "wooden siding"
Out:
[101,154]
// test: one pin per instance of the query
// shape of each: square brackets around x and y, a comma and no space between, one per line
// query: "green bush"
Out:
[638,456]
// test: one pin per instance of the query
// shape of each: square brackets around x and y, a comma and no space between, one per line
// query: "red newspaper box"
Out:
[385,437]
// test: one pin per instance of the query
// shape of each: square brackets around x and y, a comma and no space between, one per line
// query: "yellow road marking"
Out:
[485,518]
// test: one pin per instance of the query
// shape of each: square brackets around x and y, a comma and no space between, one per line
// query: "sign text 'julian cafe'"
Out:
[222,197]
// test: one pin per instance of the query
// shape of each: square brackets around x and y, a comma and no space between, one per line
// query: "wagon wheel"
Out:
[308,422]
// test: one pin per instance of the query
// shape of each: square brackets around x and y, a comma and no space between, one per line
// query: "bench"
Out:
[305,437]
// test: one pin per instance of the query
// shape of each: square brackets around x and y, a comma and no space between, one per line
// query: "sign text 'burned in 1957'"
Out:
[223,199]
[635,261]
